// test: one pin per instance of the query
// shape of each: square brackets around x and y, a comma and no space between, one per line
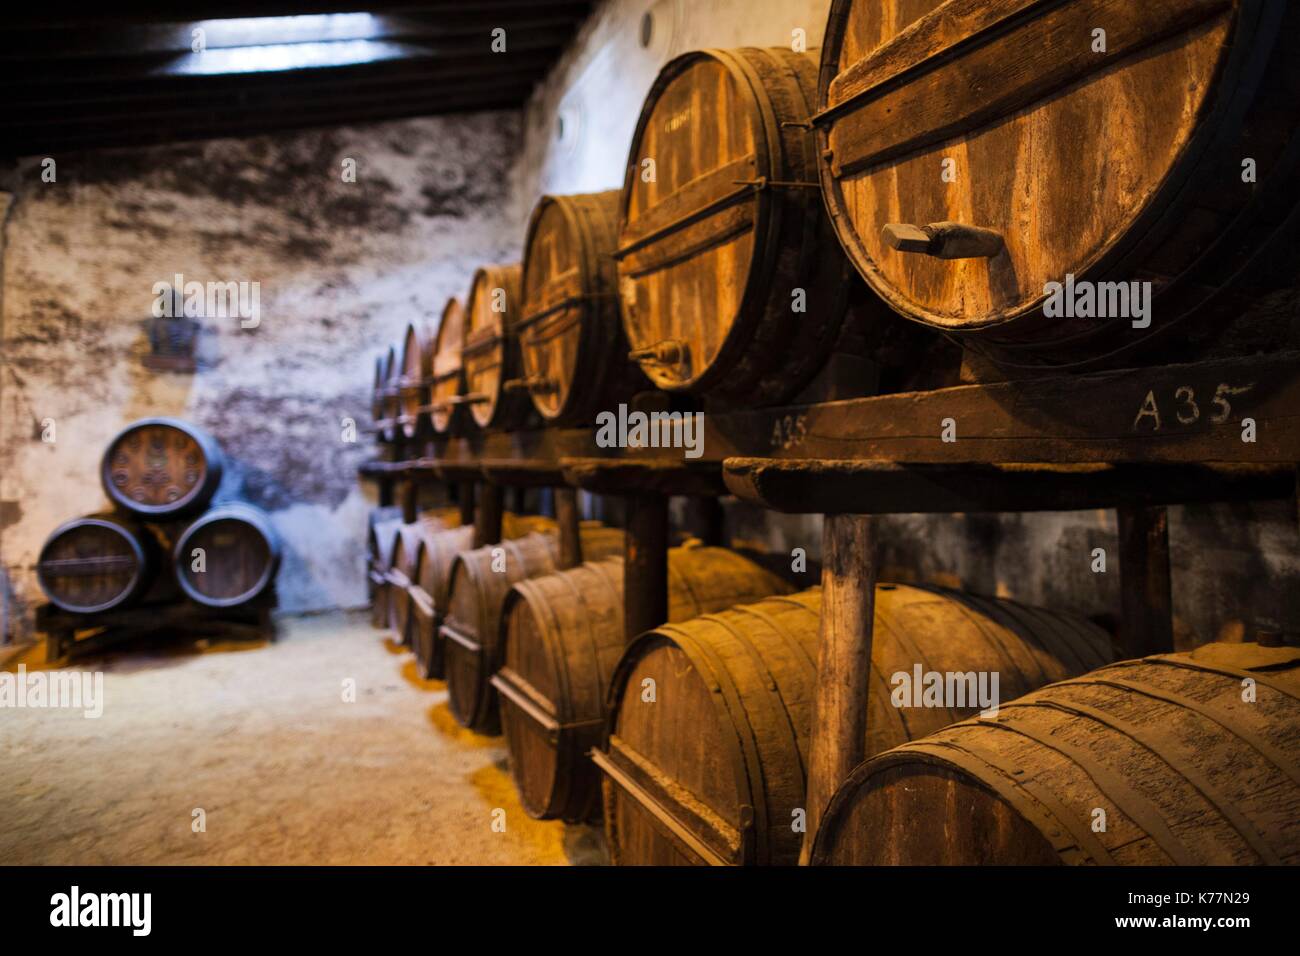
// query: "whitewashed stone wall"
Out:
[342,267]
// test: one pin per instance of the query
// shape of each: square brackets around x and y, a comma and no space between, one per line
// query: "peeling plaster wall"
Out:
[342,268]
[579,123]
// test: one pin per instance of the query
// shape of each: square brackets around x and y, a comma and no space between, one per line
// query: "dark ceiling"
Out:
[127,74]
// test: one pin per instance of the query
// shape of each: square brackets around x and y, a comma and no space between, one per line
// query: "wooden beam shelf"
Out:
[1135,440]
[1002,446]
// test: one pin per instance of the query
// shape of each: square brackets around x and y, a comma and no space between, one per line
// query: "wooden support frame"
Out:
[708,520]
[568,520]
[465,501]
[252,620]
[409,495]
[839,731]
[1147,624]
[645,564]
[489,508]
[1136,440]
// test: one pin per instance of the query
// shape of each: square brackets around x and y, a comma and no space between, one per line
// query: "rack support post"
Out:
[1146,626]
[465,499]
[645,564]
[566,516]
[489,505]
[839,732]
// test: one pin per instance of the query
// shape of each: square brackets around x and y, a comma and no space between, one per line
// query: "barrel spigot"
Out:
[943,240]
[667,352]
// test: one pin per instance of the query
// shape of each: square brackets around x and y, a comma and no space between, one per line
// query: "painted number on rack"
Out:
[1186,407]
[789,431]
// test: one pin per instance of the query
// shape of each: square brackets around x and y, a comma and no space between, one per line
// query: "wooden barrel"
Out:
[709,720]
[161,466]
[432,580]
[491,352]
[397,567]
[962,189]
[1187,759]
[731,279]
[563,636]
[401,570]
[379,550]
[571,338]
[378,515]
[446,371]
[414,380]
[240,556]
[433,558]
[472,625]
[97,563]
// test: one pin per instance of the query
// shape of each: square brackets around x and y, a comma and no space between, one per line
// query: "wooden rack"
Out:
[1136,440]
[120,624]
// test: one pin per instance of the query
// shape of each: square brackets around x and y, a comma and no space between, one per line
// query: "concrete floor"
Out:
[259,737]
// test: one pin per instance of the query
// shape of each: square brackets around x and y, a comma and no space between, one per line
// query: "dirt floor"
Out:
[258,736]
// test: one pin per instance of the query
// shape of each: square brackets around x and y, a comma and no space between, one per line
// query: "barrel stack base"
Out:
[253,621]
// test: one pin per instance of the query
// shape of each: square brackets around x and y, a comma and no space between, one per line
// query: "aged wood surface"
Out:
[1147,622]
[489,504]
[414,569]
[571,338]
[431,580]
[708,756]
[845,635]
[645,564]
[567,520]
[161,466]
[934,112]
[721,230]
[384,524]
[413,392]
[1166,752]
[882,487]
[471,626]
[563,637]
[240,556]
[97,563]
[446,369]
[490,353]
[1188,413]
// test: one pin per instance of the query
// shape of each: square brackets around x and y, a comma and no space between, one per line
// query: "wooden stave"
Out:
[414,378]
[434,577]
[401,563]
[1039,794]
[140,543]
[1195,308]
[602,376]
[435,580]
[198,498]
[750,839]
[445,369]
[253,518]
[584,660]
[739,374]
[379,544]
[476,596]
[502,410]
[378,515]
